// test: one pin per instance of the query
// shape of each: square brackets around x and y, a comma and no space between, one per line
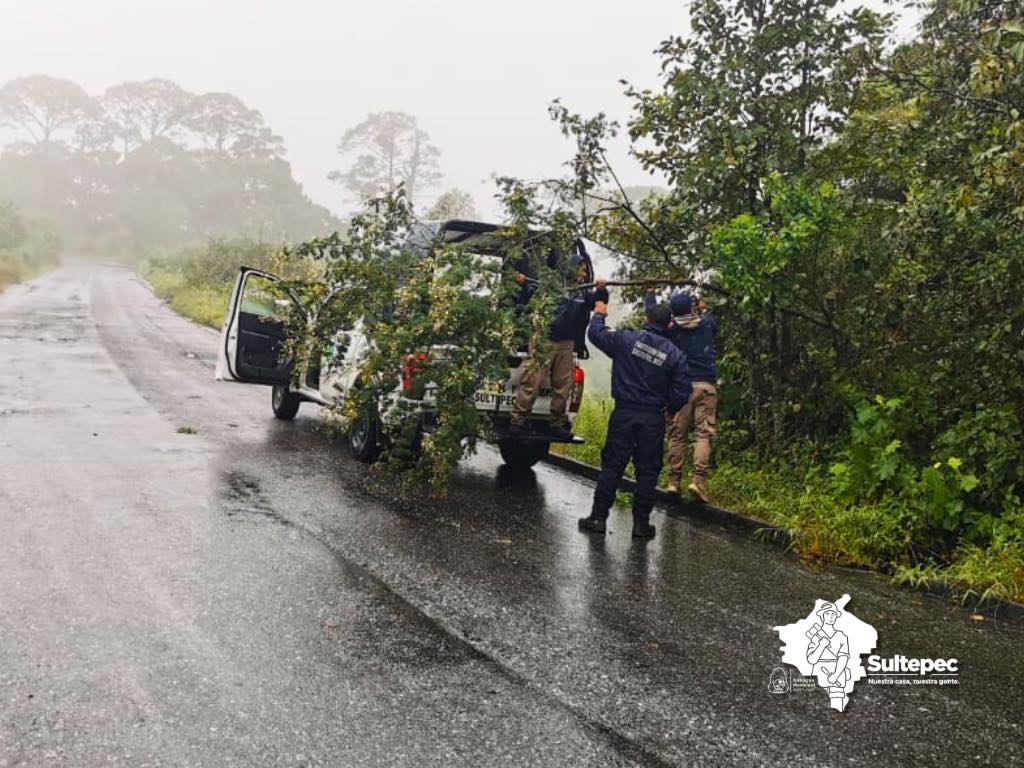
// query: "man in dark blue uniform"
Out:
[565,342]
[693,331]
[648,375]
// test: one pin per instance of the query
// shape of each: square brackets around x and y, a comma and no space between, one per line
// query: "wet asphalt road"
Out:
[250,595]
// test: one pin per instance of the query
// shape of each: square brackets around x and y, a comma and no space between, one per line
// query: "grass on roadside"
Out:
[822,528]
[196,280]
[203,304]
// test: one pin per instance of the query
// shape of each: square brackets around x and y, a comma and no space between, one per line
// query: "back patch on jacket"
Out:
[649,354]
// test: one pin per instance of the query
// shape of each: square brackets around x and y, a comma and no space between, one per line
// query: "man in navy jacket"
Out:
[565,341]
[648,375]
[693,331]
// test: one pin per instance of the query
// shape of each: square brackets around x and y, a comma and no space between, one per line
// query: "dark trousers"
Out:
[637,434]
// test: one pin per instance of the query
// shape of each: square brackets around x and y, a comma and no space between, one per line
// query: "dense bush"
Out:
[27,245]
[196,280]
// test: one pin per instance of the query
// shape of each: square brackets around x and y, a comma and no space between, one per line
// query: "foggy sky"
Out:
[477,74]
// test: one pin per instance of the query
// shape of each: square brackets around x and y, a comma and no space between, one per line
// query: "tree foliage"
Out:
[388,150]
[27,245]
[852,210]
[148,165]
[452,204]
[437,312]
[46,108]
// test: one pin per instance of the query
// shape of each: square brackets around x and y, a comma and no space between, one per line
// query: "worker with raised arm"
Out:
[565,339]
[693,330]
[648,376]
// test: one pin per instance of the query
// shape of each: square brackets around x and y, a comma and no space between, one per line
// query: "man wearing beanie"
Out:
[693,331]
[648,374]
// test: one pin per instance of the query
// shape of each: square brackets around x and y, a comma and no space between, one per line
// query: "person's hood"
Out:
[687,322]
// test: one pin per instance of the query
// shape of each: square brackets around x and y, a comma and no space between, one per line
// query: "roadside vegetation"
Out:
[28,245]
[854,213]
[801,496]
[196,280]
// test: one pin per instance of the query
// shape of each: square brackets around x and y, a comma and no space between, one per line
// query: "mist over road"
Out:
[250,595]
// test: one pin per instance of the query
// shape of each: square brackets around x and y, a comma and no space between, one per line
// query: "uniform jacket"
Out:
[648,370]
[695,336]
[571,316]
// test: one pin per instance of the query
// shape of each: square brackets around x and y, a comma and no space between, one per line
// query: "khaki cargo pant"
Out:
[560,367]
[700,413]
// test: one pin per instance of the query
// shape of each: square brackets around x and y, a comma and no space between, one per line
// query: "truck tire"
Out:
[364,436]
[523,454]
[284,402]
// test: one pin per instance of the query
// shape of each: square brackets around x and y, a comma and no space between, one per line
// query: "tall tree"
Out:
[751,93]
[453,204]
[176,174]
[388,149]
[146,110]
[226,126]
[44,107]
[752,90]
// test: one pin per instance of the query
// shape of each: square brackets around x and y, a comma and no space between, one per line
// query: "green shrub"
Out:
[28,245]
[877,507]
[990,446]
[196,280]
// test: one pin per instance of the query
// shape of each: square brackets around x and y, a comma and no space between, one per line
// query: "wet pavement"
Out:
[250,595]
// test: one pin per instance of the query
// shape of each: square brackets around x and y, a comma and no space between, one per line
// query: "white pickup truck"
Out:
[252,346]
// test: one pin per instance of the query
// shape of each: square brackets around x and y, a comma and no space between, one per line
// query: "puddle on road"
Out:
[243,498]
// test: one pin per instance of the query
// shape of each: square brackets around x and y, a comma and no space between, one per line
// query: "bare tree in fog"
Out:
[389,149]
[44,106]
[143,111]
[453,204]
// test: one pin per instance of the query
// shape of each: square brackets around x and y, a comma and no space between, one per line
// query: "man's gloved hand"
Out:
[600,308]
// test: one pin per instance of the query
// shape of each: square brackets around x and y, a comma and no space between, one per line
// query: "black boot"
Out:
[593,524]
[561,432]
[642,528]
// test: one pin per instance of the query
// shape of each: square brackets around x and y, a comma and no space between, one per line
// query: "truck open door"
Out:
[252,344]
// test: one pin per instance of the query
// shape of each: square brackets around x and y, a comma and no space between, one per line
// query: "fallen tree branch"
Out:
[710,288]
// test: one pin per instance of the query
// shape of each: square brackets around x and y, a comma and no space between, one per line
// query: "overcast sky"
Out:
[478,74]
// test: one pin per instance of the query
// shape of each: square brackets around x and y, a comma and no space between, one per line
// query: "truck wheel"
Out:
[521,454]
[284,402]
[364,436]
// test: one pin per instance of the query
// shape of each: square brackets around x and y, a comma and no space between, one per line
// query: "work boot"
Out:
[699,489]
[673,486]
[642,529]
[593,524]
[561,432]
